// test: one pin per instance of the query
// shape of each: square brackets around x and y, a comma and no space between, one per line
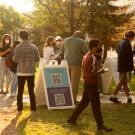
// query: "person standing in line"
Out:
[13,69]
[5,76]
[90,93]
[125,66]
[56,47]
[48,52]
[58,43]
[73,50]
[26,55]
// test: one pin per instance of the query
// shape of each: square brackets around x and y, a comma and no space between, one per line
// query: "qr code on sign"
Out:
[59,99]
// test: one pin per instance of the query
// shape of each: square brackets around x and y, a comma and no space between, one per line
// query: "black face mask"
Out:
[98,54]
[99,50]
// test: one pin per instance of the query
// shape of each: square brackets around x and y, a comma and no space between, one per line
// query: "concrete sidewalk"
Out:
[8,111]
[105,98]
[8,103]
[121,97]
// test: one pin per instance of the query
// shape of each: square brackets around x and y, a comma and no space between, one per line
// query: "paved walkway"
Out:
[7,115]
[8,111]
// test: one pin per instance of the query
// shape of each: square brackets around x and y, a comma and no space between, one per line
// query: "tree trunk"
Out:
[106,31]
[91,26]
[71,16]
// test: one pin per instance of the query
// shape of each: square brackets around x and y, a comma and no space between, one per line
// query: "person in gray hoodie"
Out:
[26,55]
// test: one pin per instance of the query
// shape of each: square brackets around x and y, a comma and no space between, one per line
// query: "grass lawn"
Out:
[112,86]
[52,122]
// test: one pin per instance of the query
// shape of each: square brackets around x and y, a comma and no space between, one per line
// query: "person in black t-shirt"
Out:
[13,69]
[125,66]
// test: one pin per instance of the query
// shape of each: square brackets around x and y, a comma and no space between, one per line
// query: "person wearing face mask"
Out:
[5,75]
[13,69]
[99,56]
[48,52]
[58,42]
[125,66]
[57,52]
[90,36]
[90,93]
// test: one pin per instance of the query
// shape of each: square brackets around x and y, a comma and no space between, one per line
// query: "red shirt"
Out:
[90,66]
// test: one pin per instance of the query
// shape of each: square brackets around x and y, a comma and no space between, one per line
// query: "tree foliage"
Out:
[10,20]
[63,17]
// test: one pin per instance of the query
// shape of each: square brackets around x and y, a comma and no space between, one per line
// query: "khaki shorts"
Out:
[125,77]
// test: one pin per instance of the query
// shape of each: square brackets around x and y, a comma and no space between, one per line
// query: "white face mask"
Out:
[7,41]
[88,39]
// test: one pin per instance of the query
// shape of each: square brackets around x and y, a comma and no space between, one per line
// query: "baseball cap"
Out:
[58,38]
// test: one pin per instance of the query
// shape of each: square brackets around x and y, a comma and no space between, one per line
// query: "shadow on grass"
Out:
[11,128]
[52,121]
[22,125]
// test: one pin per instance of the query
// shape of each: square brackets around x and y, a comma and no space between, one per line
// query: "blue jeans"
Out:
[14,82]
[5,75]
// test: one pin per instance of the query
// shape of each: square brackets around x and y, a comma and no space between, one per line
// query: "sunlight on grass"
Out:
[52,122]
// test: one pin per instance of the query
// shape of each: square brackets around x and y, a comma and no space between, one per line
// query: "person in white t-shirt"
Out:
[48,52]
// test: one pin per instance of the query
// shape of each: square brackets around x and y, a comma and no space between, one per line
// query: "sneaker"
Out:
[115,100]
[129,100]
[72,122]
[104,128]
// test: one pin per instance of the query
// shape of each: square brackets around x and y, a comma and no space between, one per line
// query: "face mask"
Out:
[88,39]
[7,41]
[98,53]
[99,50]
[58,44]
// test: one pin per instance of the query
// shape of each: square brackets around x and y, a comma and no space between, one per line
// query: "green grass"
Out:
[132,84]
[112,86]
[52,122]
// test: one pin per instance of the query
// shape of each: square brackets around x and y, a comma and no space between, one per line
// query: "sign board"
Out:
[57,85]
[39,86]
